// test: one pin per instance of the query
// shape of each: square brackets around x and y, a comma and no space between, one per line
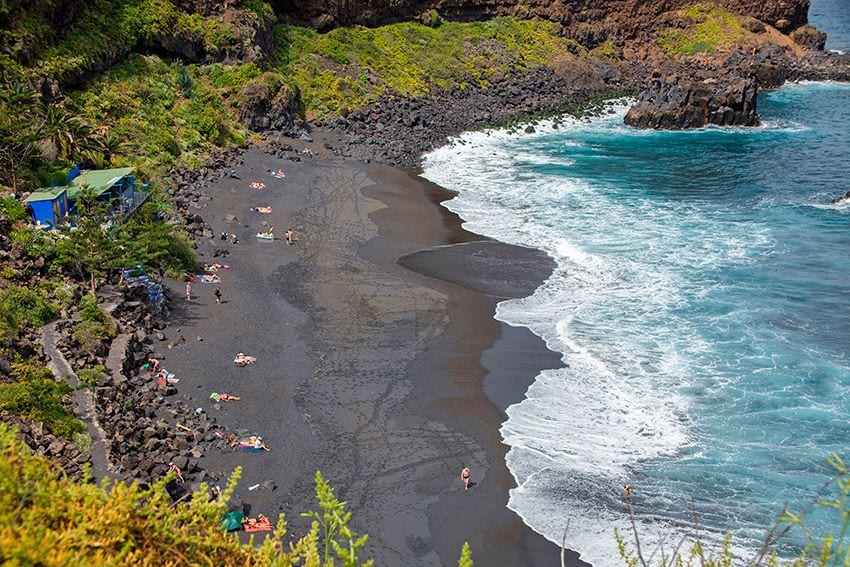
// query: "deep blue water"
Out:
[700,303]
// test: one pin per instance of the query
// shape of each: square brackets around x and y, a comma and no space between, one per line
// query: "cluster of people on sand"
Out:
[258,185]
[228,237]
[279,174]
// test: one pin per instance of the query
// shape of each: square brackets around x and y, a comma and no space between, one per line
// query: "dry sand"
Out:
[368,368]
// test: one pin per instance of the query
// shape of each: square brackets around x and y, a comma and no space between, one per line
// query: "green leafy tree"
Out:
[18,134]
[91,247]
[66,133]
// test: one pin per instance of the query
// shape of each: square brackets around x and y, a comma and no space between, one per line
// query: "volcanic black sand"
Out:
[369,332]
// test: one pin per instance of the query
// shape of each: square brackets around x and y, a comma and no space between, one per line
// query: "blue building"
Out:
[117,188]
[49,206]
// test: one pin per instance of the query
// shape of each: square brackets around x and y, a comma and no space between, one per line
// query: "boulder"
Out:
[266,103]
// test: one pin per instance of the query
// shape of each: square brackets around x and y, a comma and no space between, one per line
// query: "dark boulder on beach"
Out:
[677,103]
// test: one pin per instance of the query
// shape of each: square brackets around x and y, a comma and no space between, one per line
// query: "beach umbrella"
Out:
[232,521]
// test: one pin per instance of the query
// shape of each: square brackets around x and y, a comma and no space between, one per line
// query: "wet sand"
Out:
[378,358]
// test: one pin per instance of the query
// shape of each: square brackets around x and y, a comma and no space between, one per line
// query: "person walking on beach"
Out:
[217,295]
[464,476]
[188,291]
[288,235]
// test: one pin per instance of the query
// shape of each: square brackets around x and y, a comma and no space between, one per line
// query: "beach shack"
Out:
[118,188]
[48,206]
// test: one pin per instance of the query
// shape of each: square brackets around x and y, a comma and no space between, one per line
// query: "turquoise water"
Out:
[700,303]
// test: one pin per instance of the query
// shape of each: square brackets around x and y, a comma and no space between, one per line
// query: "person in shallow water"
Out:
[627,491]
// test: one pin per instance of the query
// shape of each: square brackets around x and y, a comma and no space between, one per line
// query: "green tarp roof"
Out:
[46,194]
[99,180]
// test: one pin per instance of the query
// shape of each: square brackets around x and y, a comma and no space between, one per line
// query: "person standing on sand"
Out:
[217,294]
[464,476]
[188,291]
[288,235]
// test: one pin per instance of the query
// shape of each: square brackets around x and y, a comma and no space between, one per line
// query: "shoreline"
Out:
[374,372]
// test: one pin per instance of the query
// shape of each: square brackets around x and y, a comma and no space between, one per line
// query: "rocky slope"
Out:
[590,21]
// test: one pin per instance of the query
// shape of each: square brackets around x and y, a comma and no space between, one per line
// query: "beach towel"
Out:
[262,524]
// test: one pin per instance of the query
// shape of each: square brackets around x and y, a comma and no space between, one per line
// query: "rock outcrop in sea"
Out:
[676,103]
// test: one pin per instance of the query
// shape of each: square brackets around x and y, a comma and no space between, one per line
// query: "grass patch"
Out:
[708,29]
[37,396]
[21,305]
[350,67]
[143,101]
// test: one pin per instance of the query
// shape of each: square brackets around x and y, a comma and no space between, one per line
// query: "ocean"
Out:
[700,303]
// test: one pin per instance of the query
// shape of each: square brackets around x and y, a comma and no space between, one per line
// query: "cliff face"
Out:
[593,19]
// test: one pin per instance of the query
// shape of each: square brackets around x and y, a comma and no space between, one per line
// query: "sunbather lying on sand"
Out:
[279,174]
[262,210]
[215,267]
[258,185]
[224,397]
[243,360]
[261,524]
[209,278]
[254,443]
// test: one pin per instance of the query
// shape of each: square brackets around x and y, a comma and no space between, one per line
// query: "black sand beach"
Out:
[386,375]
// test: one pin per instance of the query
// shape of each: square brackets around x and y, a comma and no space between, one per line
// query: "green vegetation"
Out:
[465,556]
[332,526]
[33,305]
[89,377]
[48,519]
[37,396]
[166,113]
[94,328]
[349,67]
[709,29]
[89,250]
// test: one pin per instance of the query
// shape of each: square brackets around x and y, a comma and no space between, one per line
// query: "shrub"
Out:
[37,396]
[89,334]
[21,304]
[48,519]
[13,209]
[89,377]
[709,29]
[89,310]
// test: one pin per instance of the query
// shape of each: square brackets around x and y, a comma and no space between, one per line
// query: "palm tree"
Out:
[18,135]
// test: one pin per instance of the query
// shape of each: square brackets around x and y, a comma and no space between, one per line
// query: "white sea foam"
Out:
[585,430]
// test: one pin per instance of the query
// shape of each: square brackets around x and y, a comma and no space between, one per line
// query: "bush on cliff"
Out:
[704,28]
